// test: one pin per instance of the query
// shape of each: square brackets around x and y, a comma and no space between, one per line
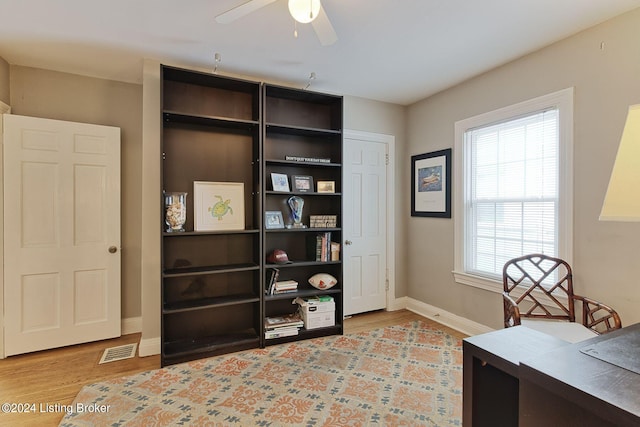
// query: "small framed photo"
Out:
[326,186]
[280,182]
[218,206]
[273,220]
[302,183]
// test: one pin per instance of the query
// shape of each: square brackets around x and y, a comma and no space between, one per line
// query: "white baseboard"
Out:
[149,347]
[131,325]
[398,304]
[451,320]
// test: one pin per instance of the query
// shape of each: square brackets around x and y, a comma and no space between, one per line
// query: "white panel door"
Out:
[61,233]
[365,225]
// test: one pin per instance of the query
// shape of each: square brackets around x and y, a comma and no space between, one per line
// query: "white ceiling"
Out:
[397,51]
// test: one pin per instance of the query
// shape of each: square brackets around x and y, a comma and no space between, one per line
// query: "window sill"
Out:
[495,286]
[478,282]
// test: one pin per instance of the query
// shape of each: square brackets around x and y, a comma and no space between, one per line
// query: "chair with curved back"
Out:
[538,293]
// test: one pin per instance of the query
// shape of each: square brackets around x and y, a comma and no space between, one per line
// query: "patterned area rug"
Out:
[405,375]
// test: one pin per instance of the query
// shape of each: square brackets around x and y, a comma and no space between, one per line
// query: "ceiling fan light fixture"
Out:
[304,11]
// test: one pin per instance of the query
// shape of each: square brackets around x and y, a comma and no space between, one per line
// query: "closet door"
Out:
[61,233]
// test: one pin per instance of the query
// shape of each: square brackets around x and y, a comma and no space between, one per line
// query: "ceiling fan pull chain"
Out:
[295,28]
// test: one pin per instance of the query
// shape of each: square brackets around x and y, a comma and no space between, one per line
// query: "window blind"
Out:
[511,202]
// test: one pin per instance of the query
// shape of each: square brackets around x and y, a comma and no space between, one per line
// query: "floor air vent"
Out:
[121,352]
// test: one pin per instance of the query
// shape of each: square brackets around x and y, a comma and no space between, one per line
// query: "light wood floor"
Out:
[55,377]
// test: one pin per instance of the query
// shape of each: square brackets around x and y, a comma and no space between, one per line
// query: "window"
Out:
[513,187]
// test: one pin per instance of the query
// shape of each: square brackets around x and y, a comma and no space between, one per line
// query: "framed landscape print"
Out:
[218,206]
[326,186]
[431,184]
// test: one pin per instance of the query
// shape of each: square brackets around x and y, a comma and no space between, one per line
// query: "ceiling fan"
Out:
[303,11]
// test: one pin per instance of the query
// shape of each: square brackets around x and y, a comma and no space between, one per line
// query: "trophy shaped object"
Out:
[296,204]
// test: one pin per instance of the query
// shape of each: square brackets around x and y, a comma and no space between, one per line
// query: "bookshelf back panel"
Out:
[278,146]
[198,154]
[316,173]
[200,324]
[295,112]
[194,99]
[210,250]
[313,205]
[302,248]
[194,288]
[302,274]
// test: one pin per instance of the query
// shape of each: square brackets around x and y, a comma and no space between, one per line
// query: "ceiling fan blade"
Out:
[242,10]
[323,28]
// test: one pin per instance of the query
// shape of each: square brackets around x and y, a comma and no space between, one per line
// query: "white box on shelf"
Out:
[316,304]
[318,319]
[317,312]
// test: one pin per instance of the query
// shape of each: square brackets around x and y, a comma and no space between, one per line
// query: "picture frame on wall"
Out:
[280,182]
[273,220]
[302,183]
[218,206]
[431,184]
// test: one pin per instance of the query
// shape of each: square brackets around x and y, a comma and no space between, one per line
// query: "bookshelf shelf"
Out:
[205,303]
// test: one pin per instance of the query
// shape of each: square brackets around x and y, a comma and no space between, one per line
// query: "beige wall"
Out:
[603,65]
[380,117]
[4,81]
[48,94]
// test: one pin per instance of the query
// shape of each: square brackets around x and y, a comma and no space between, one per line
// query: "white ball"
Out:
[322,281]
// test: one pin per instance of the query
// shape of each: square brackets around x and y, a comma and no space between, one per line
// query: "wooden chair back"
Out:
[541,286]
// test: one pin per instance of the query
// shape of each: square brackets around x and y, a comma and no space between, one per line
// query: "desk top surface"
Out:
[586,380]
[515,344]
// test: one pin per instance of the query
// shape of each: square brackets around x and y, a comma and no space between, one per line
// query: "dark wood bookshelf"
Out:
[222,129]
[307,126]
[211,280]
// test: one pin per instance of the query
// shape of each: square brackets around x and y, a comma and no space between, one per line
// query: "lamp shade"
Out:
[304,11]
[622,201]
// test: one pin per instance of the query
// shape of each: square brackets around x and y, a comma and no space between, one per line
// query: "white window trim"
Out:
[563,100]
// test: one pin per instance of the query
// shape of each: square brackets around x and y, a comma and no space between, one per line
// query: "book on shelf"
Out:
[320,247]
[335,251]
[281,332]
[270,287]
[284,291]
[285,321]
[285,285]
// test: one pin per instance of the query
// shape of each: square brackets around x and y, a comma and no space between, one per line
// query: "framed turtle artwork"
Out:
[218,206]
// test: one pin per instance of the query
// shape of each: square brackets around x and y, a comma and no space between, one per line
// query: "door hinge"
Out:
[386,159]
[386,279]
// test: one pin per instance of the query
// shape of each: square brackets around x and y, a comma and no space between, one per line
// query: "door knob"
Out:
[113,249]
[348,242]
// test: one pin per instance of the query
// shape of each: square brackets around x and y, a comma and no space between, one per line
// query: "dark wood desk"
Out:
[565,387]
[491,373]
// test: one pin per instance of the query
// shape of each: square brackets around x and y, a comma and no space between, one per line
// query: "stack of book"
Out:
[323,247]
[282,326]
[285,286]
[275,286]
